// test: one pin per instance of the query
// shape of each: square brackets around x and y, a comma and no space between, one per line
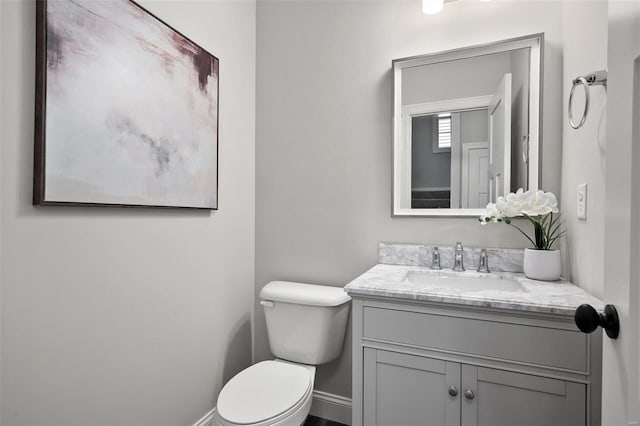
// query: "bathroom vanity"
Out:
[444,348]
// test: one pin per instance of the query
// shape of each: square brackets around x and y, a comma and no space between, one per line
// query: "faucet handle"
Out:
[458,258]
[435,259]
[483,265]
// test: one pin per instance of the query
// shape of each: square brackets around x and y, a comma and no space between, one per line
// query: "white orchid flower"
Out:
[537,206]
[541,203]
[492,213]
[509,206]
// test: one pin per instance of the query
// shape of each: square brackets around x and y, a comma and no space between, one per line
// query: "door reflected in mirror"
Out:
[466,127]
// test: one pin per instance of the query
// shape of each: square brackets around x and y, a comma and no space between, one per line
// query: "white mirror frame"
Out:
[402,153]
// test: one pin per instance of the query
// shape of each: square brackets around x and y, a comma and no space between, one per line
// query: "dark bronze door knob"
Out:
[588,319]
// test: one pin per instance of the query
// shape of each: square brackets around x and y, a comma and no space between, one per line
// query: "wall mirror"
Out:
[466,127]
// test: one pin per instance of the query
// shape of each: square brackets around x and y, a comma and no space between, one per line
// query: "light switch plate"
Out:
[582,201]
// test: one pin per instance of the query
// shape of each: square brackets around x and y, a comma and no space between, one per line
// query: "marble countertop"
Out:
[557,297]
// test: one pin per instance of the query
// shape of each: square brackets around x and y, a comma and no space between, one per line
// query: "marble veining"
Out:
[500,260]
[558,297]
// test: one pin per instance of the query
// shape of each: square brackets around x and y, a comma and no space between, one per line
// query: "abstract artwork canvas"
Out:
[126,109]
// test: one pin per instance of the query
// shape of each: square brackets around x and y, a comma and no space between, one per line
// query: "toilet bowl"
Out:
[306,324]
[267,393]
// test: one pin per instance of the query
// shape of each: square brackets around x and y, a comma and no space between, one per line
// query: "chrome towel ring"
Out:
[577,82]
[593,79]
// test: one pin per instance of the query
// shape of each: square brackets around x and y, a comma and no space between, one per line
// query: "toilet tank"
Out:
[306,323]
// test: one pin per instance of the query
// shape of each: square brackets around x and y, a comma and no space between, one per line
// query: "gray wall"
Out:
[463,78]
[323,135]
[584,150]
[428,169]
[1,203]
[519,116]
[121,316]
[474,126]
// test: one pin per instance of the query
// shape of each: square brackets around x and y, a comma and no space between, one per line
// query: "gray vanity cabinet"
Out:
[408,390]
[437,364]
[504,398]
[401,389]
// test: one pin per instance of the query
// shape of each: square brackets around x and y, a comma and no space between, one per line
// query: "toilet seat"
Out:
[265,393]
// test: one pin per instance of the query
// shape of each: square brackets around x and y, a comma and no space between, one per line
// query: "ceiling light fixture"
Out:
[431,7]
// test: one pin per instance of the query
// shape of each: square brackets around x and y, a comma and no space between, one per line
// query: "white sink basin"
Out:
[444,280]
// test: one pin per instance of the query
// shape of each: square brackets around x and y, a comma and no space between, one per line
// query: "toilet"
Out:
[306,324]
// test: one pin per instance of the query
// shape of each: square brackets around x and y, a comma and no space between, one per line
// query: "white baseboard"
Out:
[207,419]
[324,405]
[331,407]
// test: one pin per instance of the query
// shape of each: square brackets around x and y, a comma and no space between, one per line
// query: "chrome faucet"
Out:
[483,265]
[435,259]
[458,258]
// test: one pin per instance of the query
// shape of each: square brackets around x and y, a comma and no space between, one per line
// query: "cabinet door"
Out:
[408,390]
[503,398]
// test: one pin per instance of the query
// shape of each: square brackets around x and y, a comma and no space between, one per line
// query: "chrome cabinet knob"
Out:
[469,394]
[453,391]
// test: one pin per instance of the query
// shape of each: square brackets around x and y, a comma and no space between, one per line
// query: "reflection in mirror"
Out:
[450,160]
[466,127]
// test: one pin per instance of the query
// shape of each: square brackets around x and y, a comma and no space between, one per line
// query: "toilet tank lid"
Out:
[304,294]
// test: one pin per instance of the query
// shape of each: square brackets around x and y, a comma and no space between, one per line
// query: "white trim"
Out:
[500,174]
[534,142]
[402,175]
[207,419]
[524,42]
[533,42]
[449,105]
[331,407]
[456,162]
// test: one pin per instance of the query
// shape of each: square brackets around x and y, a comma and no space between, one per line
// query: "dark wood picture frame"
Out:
[41,95]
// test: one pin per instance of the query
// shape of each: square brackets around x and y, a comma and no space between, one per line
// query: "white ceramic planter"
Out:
[544,265]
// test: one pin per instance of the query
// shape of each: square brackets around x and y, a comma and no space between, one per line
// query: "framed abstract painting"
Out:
[126,109]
